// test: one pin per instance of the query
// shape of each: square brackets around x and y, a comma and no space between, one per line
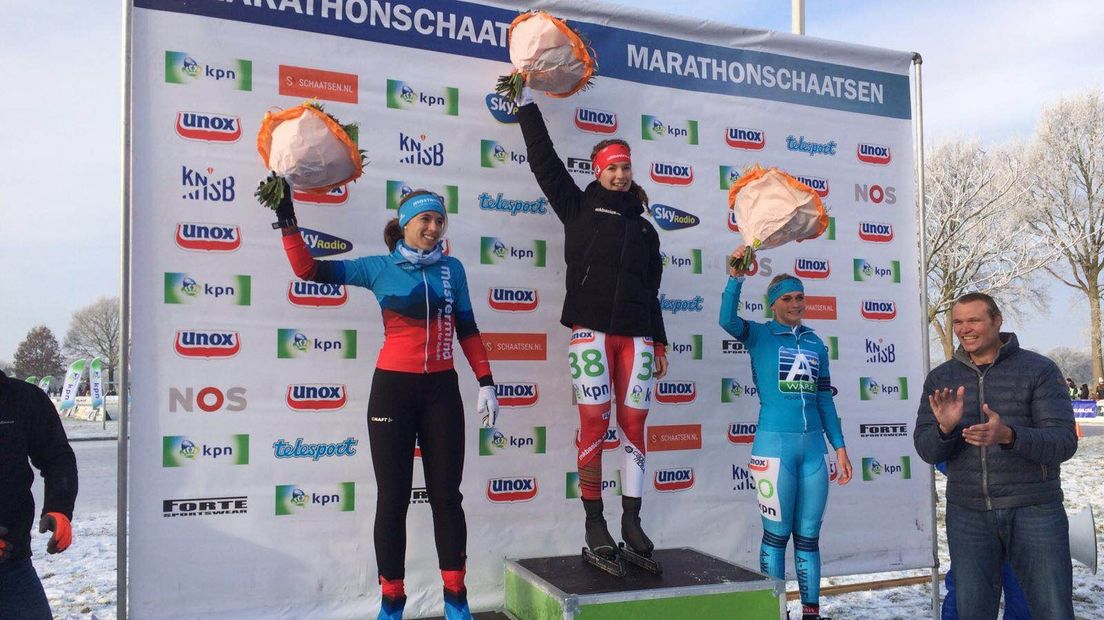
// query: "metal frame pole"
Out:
[121,556]
[797,16]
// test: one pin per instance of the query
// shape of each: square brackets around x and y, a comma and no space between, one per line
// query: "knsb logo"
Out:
[652,128]
[501,108]
[517,394]
[336,196]
[742,480]
[421,152]
[670,218]
[866,271]
[875,232]
[402,96]
[493,441]
[801,145]
[208,399]
[742,433]
[733,391]
[206,344]
[309,83]
[293,343]
[206,127]
[316,396]
[691,261]
[179,451]
[322,244]
[397,190]
[873,468]
[691,349]
[674,479]
[812,268]
[872,389]
[182,68]
[729,176]
[511,490]
[208,237]
[512,299]
[574,490]
[206,188]
[745,138]
[674,306]
[595,121]
[880,352]
[493,155]
[672,174]
[315,295]
[292,499]
[181,288]
[873,154]
[493,251]
[879,310]
[674,437]
[817,184]
[487,202]
[676,392]
[875,194]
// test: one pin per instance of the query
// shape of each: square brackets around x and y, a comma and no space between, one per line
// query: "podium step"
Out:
[482,615]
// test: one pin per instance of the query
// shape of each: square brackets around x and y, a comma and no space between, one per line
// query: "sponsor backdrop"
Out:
[251,489]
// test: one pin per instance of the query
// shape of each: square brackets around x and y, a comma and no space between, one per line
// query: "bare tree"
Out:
[1074,363]
[38,354]
[1067,155]
[94,332]
[977,233]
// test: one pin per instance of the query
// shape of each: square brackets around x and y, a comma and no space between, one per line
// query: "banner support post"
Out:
[797,17]
[123,387]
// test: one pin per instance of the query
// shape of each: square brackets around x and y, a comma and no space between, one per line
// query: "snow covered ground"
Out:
[80,583]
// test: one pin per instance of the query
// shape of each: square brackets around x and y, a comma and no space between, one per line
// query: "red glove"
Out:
[4,545]
[60,526]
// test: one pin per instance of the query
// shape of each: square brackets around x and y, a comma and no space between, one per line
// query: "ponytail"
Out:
[392,233]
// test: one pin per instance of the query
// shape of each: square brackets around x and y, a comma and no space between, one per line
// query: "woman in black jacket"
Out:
[612,306]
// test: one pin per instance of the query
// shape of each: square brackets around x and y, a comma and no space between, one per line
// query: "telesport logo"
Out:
[206,344]
[575,491]
[673,479]
[742,433]
[292,499]
[875,194]
[207,399]
[880,351]
[676,392]
[397,190]
[500,203]
[336,196]
[284,449]
[492,154]
[876,154]
[502,109]
[873,468]
[817,184]
[879,310]
[691,349]
[206,187]
[745,138]
[812,268]
[512,490]
[872,389]
[875,232]
[317,295]
[420,151]
[404,96]
[674,305]
[208,127]
[493,441]
[208,237]
[494,251]
[672,174]
[181,451]
[322,244]
[797,371]
[181,288]
[183,68]
[516,394]
[293,343]
[653,128]
[801,145]
[691,261]
[512,299]
[729,175]
[595,121]
[865,271]
[670,218]
[733,391]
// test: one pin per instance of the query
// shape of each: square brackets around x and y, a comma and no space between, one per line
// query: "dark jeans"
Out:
[1015,605]
[1033,539]
[21,593]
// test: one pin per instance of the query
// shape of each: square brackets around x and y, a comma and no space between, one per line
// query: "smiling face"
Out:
[789,309]
[616,177]
[977,331]
[424,230]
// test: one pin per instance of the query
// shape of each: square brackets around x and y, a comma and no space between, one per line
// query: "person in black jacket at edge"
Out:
[30,428]
[1001,418]
[612,307]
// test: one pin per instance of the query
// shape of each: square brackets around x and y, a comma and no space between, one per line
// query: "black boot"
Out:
[597,536]
[631,533]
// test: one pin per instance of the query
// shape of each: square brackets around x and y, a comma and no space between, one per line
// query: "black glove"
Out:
[285,211]
[5,546]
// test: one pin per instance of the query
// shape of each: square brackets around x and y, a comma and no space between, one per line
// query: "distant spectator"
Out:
[1072,387]
[1083,393]
[1099,395]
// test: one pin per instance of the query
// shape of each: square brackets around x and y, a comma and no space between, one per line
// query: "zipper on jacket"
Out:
[425,351]
[984,450]
[586,256]
[797,340]
[1043,465]
[620,261]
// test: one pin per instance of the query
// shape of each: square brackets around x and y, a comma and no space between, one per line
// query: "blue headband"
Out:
[420,204]
[780,288]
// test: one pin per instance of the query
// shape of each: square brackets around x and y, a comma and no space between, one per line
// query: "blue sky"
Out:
[989,67]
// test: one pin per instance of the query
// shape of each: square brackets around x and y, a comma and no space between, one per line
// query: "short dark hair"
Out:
[990,303]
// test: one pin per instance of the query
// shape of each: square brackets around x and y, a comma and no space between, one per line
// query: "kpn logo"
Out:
[873,469]
[732,391]
[294,499]
[182,288]
[296,343]
[689,261]
[406,96]
[183,68]
[493,441]
[492,154]
[495,251]
[655,128]
[691,347]
[729,176]
[874,389]
[888,271]
[575,490]
[181,451]
[397,190]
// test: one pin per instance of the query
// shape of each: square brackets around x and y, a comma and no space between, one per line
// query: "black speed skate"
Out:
[637,547]
[602,552]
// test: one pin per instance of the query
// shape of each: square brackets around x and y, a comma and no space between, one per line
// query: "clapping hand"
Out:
[946,405]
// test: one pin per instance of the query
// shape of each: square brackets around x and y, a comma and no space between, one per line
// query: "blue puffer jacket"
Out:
[1027,391]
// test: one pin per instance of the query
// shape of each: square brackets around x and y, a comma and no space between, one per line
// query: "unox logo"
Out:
[501,108]
[595,121]
[336,196]
[517,394]
[873,154]
[672,174]
[878,310]
[205,187]
[875,194]
[670,218]
[742,433]
[745,138]
[206,127]
[733,223]
[812,268]
[421,152]
[676,392]
[492,154]
[511,490]
[316,396]
[817,184]
[208,237]
[324,244]
[207,344]
[316,295]
[876,232]
[674,479]
[513,299]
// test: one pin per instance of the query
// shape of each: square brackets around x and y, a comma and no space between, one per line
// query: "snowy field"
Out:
[80,583]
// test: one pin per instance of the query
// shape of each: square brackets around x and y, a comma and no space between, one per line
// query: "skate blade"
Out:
[642,561]
[613,566]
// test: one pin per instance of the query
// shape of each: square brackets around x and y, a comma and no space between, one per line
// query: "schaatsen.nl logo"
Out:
[494,251]
[183,68]
[406,96]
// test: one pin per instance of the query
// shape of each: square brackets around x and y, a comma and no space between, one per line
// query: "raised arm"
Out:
[555,181]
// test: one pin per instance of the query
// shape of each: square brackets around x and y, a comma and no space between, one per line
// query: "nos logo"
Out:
[675,479]
[676,392]
[315,295]
[511,490]
[207,399]
[513,299]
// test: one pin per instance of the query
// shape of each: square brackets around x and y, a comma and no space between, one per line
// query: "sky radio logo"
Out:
[670,218]
[668,173]
[317,295]
[513,206]
[876,194]
[405,96]
[873,469]
[745,138]
[655,128]
[880,351]
[876,154]
[742,433]
[512,299]
[801,145]
[336,196]
[181,288]
[502,109]
[889,429]
[420,151]
[495,251]
[292,499]
[397,190]
[183,68]
[596,121]
[676,392]
[817,184]
[512,490]
[812,268]
[875,232]
[206,187]
[322,244]
[732,391]
[878,310]
[492,154]
[689,261]
[517,394]
[205,506]
[208,127]
[208,237]
[293,343]
[876,389]
[691,348]
[206,344]
[729,175]
[493,441]
[866,271]
[208,399]
[181,451]
[673,479]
